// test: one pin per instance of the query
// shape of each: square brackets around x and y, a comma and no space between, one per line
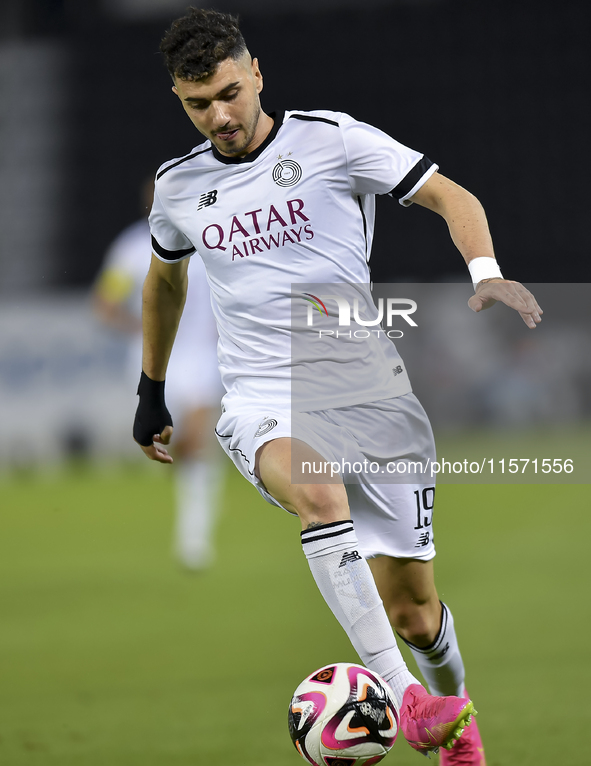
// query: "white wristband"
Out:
[484,268]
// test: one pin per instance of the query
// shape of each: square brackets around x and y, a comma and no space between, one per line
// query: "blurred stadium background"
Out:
[108,653]
[496,93]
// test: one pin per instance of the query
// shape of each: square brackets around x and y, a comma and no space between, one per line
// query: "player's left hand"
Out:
[512,294]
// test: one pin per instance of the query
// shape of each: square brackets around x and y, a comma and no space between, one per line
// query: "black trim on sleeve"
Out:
[183,159]
[313,118]
[170,255]
[411,178]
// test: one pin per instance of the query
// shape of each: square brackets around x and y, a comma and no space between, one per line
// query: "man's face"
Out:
[225,107]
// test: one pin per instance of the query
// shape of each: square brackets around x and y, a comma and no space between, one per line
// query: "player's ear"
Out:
[175,91]
[258,77]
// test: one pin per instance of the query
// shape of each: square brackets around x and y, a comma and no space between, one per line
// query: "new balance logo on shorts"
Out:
[207,199]
[348,557]
[424,539]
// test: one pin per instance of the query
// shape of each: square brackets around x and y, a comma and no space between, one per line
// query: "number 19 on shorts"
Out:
[425,499]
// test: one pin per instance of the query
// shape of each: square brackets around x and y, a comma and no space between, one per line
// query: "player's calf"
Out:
[347,585]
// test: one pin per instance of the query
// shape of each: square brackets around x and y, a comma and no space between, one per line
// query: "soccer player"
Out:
[194,386]
[267,201]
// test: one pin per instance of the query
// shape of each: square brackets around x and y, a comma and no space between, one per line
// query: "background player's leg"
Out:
[407,588]
[330,545]
[197,480]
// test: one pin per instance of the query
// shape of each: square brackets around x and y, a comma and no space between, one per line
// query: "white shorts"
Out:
[392,512]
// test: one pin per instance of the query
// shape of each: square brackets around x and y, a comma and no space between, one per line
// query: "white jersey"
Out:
[300,208]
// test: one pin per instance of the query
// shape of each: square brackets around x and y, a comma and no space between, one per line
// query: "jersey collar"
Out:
[251,156]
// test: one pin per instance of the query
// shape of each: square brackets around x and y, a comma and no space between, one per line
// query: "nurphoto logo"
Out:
[387,311]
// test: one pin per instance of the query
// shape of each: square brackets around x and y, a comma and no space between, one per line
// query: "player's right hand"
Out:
[152,426]
[512,294]
[155,451]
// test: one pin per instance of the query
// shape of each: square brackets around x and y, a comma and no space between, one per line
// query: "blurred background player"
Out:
[193,386]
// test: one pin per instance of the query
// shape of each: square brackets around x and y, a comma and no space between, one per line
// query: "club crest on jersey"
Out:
[286,172]
[207,199]
[268,424]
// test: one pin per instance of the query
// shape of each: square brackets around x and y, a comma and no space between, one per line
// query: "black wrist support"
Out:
[152,415]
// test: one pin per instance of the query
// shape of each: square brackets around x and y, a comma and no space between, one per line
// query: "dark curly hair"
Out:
[197,43]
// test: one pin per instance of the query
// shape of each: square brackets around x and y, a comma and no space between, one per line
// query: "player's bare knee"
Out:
[322,504]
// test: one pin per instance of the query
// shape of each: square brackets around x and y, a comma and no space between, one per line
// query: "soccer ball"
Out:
[343,715]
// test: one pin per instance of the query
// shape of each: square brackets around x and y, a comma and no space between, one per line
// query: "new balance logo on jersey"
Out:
[349,557]
[207,199]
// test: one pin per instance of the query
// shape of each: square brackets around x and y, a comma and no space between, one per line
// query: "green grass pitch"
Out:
[111,655]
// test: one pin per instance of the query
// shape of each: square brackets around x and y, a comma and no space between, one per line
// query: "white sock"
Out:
[197,483]
[441,662]
[346,582]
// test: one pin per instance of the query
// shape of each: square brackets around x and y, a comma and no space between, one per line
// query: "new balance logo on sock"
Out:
[440,654]
[348,557]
